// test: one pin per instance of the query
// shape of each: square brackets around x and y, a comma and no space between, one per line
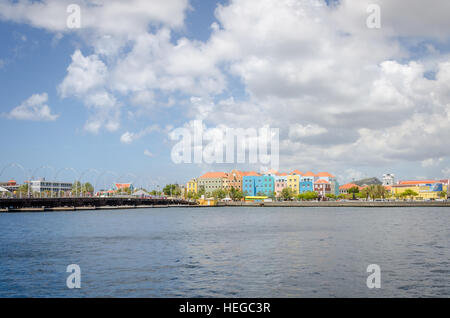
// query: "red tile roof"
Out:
[415,182]
[348,186]
[298,172]
[309,174]
[324,174]
[211,175]
[321,181]
[122,185]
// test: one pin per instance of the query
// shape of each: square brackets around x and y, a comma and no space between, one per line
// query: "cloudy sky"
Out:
[348,99]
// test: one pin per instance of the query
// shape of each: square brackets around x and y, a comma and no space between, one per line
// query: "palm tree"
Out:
[353,190]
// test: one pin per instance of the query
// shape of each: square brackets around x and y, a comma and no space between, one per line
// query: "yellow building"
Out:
[425,189]
[191,186]
[293,182]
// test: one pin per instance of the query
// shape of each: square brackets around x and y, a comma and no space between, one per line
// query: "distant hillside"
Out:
[367,181]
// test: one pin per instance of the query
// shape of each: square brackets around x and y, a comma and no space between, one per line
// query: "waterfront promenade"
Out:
[334,204]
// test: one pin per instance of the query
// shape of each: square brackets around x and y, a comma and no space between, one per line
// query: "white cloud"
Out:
[34,108]
[83,74]
[338,91]
[431,162]
[103,16]
[129,137]
[446,172]
[299,131]
[148,153]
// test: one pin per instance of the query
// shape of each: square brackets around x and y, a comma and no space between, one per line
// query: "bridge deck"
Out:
[21,203]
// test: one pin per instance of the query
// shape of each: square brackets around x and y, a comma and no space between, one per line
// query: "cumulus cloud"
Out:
[337,90]
[103,16]
[34,108]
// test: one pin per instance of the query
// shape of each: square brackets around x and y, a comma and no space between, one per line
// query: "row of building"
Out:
[425,189]
[272,183]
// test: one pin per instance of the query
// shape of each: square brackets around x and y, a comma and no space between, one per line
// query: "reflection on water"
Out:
[227,252]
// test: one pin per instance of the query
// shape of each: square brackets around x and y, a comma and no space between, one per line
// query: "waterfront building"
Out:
[306,184]
[264,185]
[248,185]
[322,187]
[280,182]
[212,181]
[120,187]
[11,185]
[52,186]
[343,189]
[191,186]
[234,179]
[388,179]
[425,189]
[293,182]
[253,185]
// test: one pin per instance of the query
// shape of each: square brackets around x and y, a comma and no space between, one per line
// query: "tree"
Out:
[76,188]
[409,193]
[235,194]
[87,187]
[311,195]
[353,191]
[331,196]
[172,190]
[201,191]
[443,194]
[287,194]
[219,194]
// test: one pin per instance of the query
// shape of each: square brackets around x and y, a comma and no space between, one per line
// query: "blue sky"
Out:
[342,104]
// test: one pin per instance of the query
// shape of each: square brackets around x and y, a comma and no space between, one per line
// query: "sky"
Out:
[101,102]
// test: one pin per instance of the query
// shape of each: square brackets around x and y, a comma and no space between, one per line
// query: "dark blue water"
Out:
[227,252]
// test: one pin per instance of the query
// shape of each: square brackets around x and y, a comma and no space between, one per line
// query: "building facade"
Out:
[425,189]
[293,183]
[191,186]
[388,179]
[11,185]
[280,182]
[212,181]
[52,186]
[322,187]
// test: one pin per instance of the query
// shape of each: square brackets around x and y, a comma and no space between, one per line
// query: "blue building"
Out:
[306,184]
[254,185]
[264,184]
[248,185]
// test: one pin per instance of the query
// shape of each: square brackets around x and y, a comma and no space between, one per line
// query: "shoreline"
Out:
[337,204]
[305,204]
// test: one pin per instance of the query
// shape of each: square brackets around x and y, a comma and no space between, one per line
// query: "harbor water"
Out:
[227,252]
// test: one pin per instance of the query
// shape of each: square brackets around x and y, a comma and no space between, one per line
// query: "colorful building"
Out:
[293,182]
[343,189]
[212,181]
[322,187]
[306,184]
[191,186]
[264,185]
[280,182]
[425,189]
[248,185]
[256,185]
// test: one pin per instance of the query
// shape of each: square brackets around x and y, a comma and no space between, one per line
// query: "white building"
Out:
[388,179]
[53,186]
